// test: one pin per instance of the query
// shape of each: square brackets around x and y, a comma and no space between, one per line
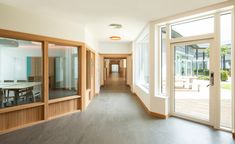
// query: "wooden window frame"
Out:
[45,82]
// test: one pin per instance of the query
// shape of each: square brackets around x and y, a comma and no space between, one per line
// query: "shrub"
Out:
[203,78]
[201,72]
[224,75]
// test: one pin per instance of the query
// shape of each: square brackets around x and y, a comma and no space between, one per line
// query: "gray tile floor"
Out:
[116,117]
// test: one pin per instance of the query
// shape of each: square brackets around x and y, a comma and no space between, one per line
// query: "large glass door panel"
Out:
[191,80]
[226,71]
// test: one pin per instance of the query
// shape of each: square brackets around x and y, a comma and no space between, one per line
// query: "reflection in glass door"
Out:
[191,79]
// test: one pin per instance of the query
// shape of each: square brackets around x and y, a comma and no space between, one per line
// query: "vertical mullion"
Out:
[83,76]
[169,66]
[159,68]
[79,75]
[215,67]
[45,79]
[233,72]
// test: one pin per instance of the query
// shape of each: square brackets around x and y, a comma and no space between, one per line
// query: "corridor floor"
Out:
[116,117]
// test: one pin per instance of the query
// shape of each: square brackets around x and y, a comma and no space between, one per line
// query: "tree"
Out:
[223,52]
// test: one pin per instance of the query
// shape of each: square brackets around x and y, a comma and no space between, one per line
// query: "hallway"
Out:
[116,117]
[115,83]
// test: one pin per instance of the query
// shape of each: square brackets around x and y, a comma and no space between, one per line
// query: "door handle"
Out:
[211,79]
[209,85]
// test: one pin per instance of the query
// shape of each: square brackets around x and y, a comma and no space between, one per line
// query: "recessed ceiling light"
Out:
[115,38]
[115,26]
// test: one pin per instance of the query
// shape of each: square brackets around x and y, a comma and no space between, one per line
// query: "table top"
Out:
[18,85]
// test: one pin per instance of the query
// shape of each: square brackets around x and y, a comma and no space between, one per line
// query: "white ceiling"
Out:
[98,14]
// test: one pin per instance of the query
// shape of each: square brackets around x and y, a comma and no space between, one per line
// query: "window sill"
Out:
[146,90]
[162,96]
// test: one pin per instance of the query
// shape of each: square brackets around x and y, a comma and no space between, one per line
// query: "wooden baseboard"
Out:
[158,115]
[234,135]
[154,114]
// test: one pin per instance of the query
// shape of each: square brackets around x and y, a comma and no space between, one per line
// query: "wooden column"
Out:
[45,79]
[83,76]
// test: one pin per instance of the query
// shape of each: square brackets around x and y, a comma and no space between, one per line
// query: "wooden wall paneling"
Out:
[88,69]
[21,117]
[79,82]
[45,79]
[102,69]
[90,76]
[63,107]
[93,73]
[87,98]
[83,76]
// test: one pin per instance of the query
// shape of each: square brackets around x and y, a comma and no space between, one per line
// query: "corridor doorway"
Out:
[116,68]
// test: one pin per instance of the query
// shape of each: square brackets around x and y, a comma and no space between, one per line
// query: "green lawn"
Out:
[226,86]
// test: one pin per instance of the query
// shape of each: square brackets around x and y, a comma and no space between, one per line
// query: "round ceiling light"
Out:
[115,38]
[115,26]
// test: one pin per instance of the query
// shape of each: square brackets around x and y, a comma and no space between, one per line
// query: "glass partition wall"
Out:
[63,71]
[20,72]
[39,78]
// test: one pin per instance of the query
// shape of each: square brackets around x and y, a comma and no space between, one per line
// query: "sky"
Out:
[206,26]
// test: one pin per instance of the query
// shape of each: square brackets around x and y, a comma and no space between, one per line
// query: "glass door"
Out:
[193,79]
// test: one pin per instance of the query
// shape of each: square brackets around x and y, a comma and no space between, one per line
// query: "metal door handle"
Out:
[211,79]
[208,85]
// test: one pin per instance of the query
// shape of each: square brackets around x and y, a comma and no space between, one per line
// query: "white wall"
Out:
[13,61]
[115,48]
[22,21]
[156,104]
[90,40]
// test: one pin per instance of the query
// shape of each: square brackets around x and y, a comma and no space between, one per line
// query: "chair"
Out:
[22,81]
[29,94]
[8,81]
[7,92]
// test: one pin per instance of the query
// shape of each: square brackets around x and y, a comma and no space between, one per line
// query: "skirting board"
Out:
[154,114]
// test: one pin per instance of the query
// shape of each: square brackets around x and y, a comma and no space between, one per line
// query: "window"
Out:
[115,68]
[225,70]
[163,60]
[193,28]
[142,49]
[20,72]
[63,71]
